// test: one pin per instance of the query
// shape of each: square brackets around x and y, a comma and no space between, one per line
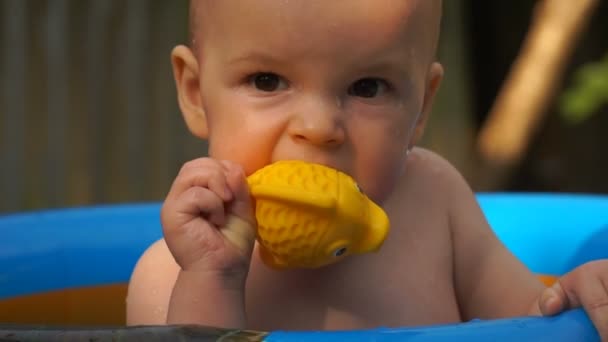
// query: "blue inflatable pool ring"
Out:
[46,254]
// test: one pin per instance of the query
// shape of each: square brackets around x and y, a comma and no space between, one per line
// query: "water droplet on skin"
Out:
[159,310]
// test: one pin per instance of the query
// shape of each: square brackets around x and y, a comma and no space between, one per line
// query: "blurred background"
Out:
[88,113]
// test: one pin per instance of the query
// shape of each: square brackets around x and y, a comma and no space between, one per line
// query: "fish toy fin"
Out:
[287,194]
[377,231]
[271,260]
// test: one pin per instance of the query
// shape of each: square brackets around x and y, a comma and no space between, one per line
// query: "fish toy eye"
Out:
[340,251]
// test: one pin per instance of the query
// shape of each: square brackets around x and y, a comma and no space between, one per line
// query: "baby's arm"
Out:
[156,286]
[151,285]
[209,233]
[490,282]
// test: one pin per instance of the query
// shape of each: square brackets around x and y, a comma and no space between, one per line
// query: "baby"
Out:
[348,84]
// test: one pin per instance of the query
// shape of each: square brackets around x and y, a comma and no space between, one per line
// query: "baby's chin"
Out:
[380,198]
[378,192]
[384,187]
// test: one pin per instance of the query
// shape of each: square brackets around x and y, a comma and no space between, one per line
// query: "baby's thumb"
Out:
[553,300]
[241,204]
[240,227]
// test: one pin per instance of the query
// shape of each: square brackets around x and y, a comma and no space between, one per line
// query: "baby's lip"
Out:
[324,162]
[361,190]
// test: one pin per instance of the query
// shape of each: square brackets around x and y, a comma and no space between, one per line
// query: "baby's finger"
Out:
[230,165]
[241,233]
[242,205]
[592,292]
[553,300]
[206,173]
[595,303]
[587,286]
[198,203]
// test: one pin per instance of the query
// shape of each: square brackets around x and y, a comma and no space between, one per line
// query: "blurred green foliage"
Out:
[587,94]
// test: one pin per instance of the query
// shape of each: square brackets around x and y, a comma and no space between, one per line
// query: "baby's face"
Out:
[341,83]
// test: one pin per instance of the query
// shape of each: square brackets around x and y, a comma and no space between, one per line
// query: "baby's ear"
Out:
[186,74]
[434,77]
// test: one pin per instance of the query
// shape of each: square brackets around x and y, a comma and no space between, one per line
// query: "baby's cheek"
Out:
[242,151]
[381,175]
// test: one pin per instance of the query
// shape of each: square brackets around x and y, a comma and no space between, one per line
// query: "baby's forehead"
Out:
[419,18]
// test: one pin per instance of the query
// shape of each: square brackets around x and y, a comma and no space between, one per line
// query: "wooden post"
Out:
[529,88]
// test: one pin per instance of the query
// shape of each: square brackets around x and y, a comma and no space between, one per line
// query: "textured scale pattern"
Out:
[297,232]
[308,177]
[309,215]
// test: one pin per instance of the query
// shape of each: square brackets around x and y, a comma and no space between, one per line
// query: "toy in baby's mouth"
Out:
[310,215]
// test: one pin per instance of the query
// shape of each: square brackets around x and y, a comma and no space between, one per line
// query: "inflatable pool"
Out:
[69,267]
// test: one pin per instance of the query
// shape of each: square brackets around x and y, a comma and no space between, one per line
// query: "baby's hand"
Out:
[585,286]
[208,220]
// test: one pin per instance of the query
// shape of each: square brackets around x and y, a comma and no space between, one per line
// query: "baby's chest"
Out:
[350,298]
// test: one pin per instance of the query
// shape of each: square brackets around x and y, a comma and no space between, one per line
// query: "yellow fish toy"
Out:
[310,215]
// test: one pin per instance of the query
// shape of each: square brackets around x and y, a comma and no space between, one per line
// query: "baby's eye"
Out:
[367,87]
[267,81]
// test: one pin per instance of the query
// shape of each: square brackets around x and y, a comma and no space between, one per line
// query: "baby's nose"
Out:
[319,124]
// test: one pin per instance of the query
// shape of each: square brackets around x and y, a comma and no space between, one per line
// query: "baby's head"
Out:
[345,83]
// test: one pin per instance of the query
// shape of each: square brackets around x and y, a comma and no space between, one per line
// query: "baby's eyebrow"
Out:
[398,71]
[255,57]
[387,67]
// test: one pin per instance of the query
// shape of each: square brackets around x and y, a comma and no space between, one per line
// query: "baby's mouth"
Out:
[359,188]
[325,163]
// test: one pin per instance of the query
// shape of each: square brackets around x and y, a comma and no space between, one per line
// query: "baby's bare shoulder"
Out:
[429,175]
[421,206]
[151,285]
[428,164]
